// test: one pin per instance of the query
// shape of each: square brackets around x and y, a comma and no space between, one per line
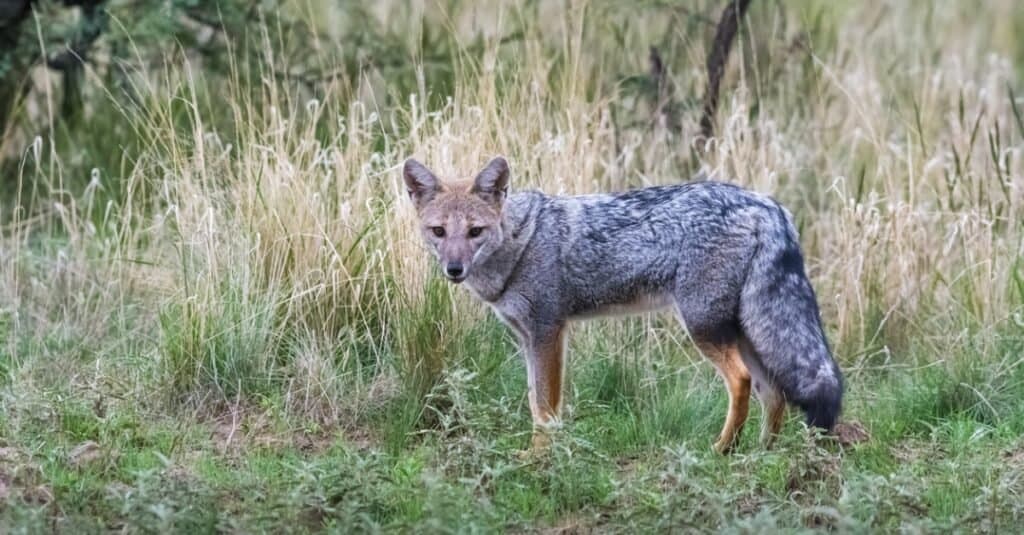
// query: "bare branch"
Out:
[728,26]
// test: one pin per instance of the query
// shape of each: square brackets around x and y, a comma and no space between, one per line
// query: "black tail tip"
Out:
[823,411]
[823,416]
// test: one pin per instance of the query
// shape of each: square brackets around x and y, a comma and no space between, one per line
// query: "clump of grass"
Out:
[222,347]
[428,337]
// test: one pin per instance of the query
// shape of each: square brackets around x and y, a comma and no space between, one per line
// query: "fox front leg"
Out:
[544,368]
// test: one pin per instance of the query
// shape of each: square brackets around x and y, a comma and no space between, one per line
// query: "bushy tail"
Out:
[779,315]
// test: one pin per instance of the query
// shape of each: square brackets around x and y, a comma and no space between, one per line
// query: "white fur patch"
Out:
[640,305]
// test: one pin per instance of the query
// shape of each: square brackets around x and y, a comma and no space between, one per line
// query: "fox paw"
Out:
[540,446]
[724,447]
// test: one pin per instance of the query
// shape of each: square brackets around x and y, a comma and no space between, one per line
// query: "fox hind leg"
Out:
[773,401]
[726,359]
[773,409]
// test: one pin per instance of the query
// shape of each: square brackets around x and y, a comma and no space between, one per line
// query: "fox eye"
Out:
[438,231]
[474,232]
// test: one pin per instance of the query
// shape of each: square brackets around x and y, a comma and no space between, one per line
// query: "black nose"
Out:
[454,270]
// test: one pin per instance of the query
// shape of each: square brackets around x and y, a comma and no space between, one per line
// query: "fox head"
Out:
[460,221]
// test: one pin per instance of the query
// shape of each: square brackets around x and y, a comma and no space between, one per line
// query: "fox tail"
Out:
[779,315]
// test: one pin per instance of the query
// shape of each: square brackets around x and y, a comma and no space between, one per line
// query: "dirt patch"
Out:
[362,437]
[1015,456]
[1013,462]
[749,505]
[572,525]
[911,451]
[241,427]
[851,433]
[21,478]
[84,454]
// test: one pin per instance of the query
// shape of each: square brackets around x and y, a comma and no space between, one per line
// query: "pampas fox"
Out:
[725,259]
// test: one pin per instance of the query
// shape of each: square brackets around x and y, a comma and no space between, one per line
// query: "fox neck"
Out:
[491,277]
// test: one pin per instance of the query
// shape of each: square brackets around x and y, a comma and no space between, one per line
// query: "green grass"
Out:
[633,456]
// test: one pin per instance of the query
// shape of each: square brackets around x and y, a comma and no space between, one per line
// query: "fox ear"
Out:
[492,183]
[421,184]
